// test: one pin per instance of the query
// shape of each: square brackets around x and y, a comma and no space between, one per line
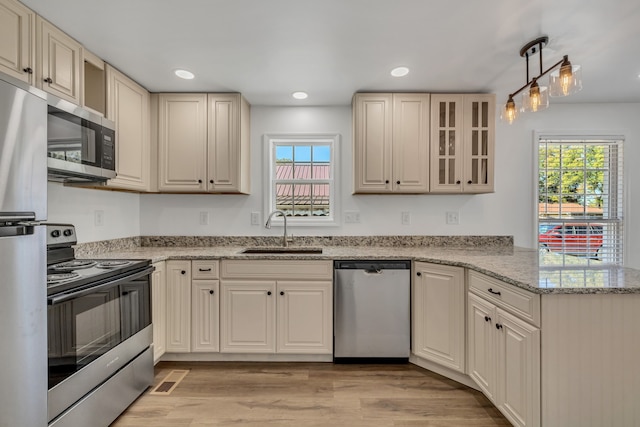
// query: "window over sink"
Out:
[301,175]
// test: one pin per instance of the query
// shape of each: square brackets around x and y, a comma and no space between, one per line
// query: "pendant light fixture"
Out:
[563,81]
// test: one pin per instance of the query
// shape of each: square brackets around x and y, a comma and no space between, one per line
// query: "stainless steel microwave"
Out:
[80,144]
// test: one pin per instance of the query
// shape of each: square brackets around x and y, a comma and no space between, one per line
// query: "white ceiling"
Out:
[267,49]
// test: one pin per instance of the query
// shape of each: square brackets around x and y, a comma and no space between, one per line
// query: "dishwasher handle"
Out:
[372,265]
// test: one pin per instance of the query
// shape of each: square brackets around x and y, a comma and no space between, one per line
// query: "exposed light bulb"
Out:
[566,78]
[535,99]
[509,112]
[534,96]
[565,81]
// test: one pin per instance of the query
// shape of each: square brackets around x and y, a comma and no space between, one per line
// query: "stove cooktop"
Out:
[77,273]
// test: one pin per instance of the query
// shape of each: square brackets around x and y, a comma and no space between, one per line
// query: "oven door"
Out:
[93,332]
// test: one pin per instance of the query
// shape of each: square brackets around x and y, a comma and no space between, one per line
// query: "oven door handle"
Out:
[92,289]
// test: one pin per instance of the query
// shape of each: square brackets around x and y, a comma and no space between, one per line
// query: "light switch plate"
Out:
[351,216]
[255,218]
[406,218]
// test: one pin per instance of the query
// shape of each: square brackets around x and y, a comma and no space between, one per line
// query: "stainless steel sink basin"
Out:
[281,250]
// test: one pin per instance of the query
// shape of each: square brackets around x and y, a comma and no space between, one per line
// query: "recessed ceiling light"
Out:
[399,71]
[184,74]
[300,95]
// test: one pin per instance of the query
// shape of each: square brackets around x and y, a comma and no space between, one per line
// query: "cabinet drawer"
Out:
[204,269]
[277,269]
[518,301]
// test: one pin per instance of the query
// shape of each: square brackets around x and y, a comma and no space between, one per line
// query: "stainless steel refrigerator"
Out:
[23,294]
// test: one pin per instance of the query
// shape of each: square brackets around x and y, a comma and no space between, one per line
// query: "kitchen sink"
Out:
[281,250]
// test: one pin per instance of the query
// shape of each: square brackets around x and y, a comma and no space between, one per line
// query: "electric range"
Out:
[65,272]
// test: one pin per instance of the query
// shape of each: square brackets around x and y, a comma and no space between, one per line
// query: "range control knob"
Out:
[55,233]
[68,232]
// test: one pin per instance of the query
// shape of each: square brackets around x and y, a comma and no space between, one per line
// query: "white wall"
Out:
[508,211]
[77,206]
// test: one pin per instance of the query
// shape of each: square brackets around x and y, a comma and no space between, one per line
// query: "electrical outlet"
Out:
[204,218]
[255,218]
[453,218]
[406,218]
[352,216]
[98,218]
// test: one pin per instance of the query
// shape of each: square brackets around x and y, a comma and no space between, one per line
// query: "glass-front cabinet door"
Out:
[446,138]
[462,143]
[479,128]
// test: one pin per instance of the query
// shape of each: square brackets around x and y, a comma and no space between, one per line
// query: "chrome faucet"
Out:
[268,225]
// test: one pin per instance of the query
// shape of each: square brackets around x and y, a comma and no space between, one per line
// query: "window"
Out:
[580,199]
[301,178]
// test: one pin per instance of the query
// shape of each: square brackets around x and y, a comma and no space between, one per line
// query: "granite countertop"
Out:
[542,273]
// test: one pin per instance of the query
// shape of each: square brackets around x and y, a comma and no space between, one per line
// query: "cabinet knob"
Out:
[387,181]
[487,319]
[494,292]
[28,70]
[458,182]
[469,182]
[125,293]
[398,182]
[418,274]
[210,181]
[269,293]
[48,80]
[281,292]
[199,181]
[183,272]
[498,326]
[211,292]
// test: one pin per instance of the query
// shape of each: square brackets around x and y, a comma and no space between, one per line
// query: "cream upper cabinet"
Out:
[504,351]
[391,143]
[438,314]
[178,306]
[17,40]
[58,62]
[159,309]
[182,142]
[203,143]
[462,143]
[128,105]
[228,144]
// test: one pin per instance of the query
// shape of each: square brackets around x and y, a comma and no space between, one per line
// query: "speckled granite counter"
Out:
[526,268]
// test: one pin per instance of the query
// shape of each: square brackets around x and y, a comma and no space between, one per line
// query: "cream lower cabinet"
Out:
[159,309]
[391,142]
[178,306]
[438,314]
[205,306]
[504,350]
[128,105]
[192,306]
[17,44]
[276,307]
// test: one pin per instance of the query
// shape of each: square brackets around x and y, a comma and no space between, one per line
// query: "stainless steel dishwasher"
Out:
[371,311]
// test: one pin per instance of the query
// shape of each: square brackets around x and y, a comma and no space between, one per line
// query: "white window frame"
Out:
[270,142]
[581,135]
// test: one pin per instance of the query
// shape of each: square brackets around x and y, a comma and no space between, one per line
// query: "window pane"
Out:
[321,153]
[301,199]
[320,200]
[302,153]
[284,198]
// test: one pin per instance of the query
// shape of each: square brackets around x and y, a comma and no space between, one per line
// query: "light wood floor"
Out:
[310,394]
